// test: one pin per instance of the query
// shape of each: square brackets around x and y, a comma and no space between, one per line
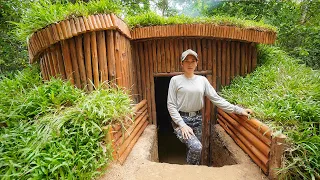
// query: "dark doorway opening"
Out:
[170,149]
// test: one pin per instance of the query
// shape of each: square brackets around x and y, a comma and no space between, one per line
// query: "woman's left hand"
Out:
[247,112]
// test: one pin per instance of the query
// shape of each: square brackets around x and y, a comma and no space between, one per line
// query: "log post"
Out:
[276,152]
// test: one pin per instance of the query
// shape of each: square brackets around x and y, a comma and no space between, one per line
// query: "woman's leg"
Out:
[194,143]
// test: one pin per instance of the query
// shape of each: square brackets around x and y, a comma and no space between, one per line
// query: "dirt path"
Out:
[139,167]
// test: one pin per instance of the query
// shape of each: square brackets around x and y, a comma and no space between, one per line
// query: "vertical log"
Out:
[60,61]
[199,51]
[232,53]
[43,72]
[243,59]
[167,49]
[180,52]
[163,56]
[146,67]
[209,54]
[238,59]
[87,56]
[117,57]
[276,153]
[54,62]
[111,57]
[218,64]
[206,129]
[102,55]
[171,52]
[176,54]
[137,61]
[214,63]
[143,70]
[204,55]
[152,96]
[82,69]
[223,63]
[254,56]
[154,55]
[94,59]
[74,61]
[158,44]
[249,57]
[228,64]
[67,60]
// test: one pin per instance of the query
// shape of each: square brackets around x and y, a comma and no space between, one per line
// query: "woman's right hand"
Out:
[186,131]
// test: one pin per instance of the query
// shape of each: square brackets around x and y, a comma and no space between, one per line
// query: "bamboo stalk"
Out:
[167,48]
[199,51]
[137,63]
[60,61]
[73,27]
[249,58]
[153,103]
[111,55]
[256,142]
[253,149]
[148,82]
[94,59]
[210,59]
[204,54]
[53,54]
[158,59]
[245,149]
[87,56]
[130,146]
[254,131]
[139,120]
[74,61]
[135,130]
[163,56]
[80,58]
[143,70]
[233,60]
[67,60]
[224,63]
[228,63]
[171,54]
[117,58]
[102,56]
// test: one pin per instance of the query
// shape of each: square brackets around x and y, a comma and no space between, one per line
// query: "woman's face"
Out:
[189,64]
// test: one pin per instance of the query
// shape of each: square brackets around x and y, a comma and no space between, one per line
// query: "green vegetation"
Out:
[152,19]
[298,23]
[53,130]
[44,12]
[286,96]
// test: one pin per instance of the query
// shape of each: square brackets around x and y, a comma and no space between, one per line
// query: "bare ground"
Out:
[140,166]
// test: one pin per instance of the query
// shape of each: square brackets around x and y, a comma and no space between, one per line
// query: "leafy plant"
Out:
[286,95]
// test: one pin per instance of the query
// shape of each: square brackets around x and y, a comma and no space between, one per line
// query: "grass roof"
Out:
[152,19]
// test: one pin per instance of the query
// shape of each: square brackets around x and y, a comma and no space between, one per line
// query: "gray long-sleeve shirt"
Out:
[186,94]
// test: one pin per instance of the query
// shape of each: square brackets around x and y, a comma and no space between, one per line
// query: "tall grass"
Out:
[151,19]
[286,95]
[57,131]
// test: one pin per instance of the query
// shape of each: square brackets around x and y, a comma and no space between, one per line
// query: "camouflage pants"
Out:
[194,143]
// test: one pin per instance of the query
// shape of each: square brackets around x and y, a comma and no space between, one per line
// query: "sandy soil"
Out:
[139,165]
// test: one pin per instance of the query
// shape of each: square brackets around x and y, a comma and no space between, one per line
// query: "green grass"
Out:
[152,19]
[42,13]
[53,130]
[285,94]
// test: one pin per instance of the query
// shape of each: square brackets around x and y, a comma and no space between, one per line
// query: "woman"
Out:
[185,101]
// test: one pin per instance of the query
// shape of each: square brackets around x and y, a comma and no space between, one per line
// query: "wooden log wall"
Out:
[89,59]
[221,59]
[123,138]
[256,139]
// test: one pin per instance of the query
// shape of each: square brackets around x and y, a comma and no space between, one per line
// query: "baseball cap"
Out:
[189,52]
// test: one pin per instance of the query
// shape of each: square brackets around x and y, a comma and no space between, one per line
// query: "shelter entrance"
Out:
[171,150]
